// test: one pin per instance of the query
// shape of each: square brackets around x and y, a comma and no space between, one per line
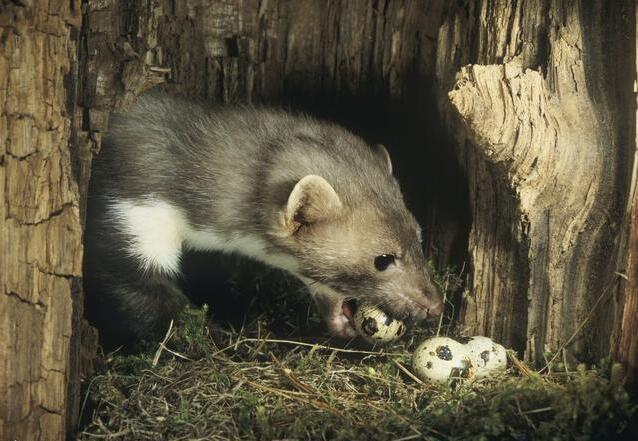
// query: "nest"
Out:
[219,383]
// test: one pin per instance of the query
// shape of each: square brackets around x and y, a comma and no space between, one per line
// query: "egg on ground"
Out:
[488,357]
[440,359]
[375,325]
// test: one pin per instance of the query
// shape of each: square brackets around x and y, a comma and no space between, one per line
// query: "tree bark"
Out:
[41,255]
[625,349]
[540,99]
[625,343]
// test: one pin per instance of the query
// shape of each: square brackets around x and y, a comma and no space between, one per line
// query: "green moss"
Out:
[215,384]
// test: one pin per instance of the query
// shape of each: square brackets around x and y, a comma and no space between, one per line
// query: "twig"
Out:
[311,345]
[303,387]
[177,354]
[408,373]
[159,69]
[288,394]
[520,412]
[565,360]
[436,432]
[522,367]
[406,438]
[580,326]
[86,397]
[108,435]
[162,347]
[541,410]
[158,353]
[447,280]
[453,312]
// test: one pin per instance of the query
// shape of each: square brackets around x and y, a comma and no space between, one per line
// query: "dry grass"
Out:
[210,383]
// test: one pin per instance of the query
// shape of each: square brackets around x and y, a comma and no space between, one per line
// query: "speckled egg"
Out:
[488,357]
[376,326]
[440,359]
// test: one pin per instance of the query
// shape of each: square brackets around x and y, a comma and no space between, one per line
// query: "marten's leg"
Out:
[129,296]
[128,306]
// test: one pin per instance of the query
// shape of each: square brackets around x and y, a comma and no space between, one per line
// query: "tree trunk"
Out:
[625,344]
[541,102]
[41,255]
[625,349]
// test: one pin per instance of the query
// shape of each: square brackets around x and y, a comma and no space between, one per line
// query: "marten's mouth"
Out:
[348,307]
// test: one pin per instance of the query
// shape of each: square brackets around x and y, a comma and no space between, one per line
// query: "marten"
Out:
[293,192]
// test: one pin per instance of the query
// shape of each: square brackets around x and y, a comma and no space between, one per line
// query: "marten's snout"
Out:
[409,291]
[431,306]
[429,303]
[416,302]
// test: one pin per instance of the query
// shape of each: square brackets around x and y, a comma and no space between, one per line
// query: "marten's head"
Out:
[360,244]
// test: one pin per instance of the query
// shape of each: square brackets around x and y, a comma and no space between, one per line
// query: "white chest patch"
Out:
[156,230]
[159,231]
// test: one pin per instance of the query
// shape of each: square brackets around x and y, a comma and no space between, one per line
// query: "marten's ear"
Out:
[383,154]
[311,200]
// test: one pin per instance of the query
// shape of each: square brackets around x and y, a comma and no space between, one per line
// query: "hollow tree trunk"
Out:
[543,125]
[540,95]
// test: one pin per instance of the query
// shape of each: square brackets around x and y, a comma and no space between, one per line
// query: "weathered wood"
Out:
[543,131]
[625,343]
[41,246]
[625,349]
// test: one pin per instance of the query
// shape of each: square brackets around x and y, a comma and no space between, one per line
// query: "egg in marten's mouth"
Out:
[371,323]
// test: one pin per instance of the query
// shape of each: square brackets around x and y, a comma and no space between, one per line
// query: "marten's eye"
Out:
[383,261]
